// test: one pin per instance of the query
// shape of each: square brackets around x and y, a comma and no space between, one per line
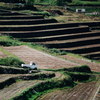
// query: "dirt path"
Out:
[94,66]
[43,60]
[82,91]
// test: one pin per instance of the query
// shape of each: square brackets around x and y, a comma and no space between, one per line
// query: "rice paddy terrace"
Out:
[71,37]
[12,85]
[76,38]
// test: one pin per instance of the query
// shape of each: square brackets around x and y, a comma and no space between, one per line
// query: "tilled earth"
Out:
[46,61]
[43,60]
[93,66]
[16,88]
[82,91]
[19,86]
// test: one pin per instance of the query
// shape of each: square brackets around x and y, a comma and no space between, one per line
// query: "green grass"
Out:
[11,61]
[9,41]
[81,77]
[30,12]
[83,68]
[44,86]
[67,2]
[71,75]
[46,2]
[54,84]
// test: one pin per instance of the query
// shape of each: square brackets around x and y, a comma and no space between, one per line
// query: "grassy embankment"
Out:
[68,80]
[12,60]
[70,75]
[68,2]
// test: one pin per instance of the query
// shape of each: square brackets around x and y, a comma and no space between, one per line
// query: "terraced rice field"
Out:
[16,88]
[20,86]
[71,37]
[94,66]
[82,91]
[77,40]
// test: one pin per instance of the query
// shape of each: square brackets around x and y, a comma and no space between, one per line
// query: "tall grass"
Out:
[11,61]
[9,41]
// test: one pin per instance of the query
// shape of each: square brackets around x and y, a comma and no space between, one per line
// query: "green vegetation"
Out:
[10,61]
[81,77]
[29,2]
[44,86]
[49,2]
[30,12]
[88,9]
[12,80]
[9,41]
[12,70]
[70,79]
[70,76]
[67,2]
[7,83]
[14,6]
[83,68]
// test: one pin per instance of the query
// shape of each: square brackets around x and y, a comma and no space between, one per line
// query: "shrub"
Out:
[43,86]
[8,70]
[11,61]
[6,43]
[83,68]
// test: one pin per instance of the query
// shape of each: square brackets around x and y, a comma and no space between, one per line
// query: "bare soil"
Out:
[16,88]
[93,66]
[4,77]
[43,60]
[82,91]
[46,61]
[20,86]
